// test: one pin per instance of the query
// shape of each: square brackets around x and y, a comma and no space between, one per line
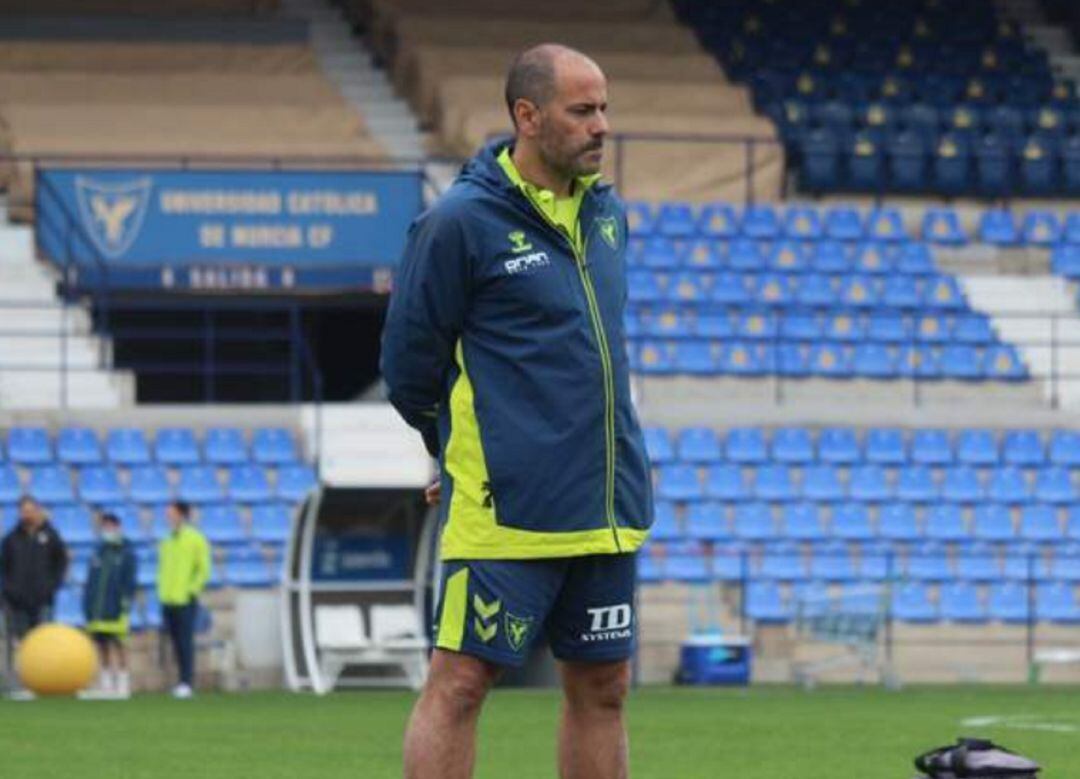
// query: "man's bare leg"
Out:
[440,741]
[592,737]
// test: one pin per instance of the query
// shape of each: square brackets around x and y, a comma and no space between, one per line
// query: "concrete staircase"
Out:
[1038,315]
[40,337]
[351,67]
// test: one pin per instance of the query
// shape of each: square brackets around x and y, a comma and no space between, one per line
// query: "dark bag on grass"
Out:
[973,758]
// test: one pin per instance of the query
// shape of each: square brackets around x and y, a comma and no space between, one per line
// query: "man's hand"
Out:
[433,493]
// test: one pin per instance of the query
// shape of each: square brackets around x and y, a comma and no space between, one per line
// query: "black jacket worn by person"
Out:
[32,566]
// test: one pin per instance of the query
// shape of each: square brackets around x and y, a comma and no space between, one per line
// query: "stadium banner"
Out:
[226,229]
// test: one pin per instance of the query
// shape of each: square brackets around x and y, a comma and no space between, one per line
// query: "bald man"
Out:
[504,347]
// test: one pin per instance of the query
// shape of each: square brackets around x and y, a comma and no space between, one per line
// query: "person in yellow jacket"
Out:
[183,571]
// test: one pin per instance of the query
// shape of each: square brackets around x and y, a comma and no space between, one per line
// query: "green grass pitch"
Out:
[757,733]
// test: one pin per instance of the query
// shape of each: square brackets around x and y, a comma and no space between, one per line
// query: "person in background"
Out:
[107,599]
[183,571]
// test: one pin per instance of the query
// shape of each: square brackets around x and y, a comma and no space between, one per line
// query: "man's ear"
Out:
[526,117]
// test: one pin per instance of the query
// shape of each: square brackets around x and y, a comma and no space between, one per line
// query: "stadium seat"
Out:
[744,256]
[887,328]
[703,256]
[977,563]
[897,522]
[660,253]
[74,524]
[1007,602]
[127,446]
[650,569]
[929,563]
[706,521]
[176,446]
[838,446]
[1023,447]
[959,602]
[1065,448]
[718,220]
[78,446]
[149,484]
[789,257]
[974,329]
[746,445]
[942,226]
[1041,228]
[658,444]
[29,446]
[781,562]
[199,484]
[50,484]
[753,521]
[976,447]
[10,486]
[844,224]
[1007,485]
[869,483]
[1056,602]
[678,482]
[639,218]
[914,259]
[801,521]
[725,482]
[729,563]
[803,223]
[765,604]
[760,222]
[69,608]
[699,445]
[100,484]
[225,446]
[885,224]
[915,484]
[945,522]
[851,522]
[831,256]
[931,447]
[221,523]
[792,445]
[294,482]
[832,563]
[911,603]
[1053,484]
[821,483]
[993,522]
[773,483]
[1039,522]
[1003,363]
[665,525]
[961,484]
[885,446]
[999,227]
[249,574]
[248,484]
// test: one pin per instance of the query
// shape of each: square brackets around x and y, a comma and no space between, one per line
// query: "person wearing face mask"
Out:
[110,589]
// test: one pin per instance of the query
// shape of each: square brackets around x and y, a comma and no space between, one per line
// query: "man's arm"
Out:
[58,561]
[424,320]
[201,568]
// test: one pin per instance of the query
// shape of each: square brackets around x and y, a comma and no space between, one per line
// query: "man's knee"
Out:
[595,686]
[460,681]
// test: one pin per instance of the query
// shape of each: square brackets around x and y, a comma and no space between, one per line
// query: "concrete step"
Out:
[44,321]
[372,91]
[16,244]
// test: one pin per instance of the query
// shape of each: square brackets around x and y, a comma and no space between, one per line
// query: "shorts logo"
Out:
[527,263]
[609,623]
[486,623]
[518,242]
[517,630]
[609,230]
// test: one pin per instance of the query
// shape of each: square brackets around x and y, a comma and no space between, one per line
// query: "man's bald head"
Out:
[534,74]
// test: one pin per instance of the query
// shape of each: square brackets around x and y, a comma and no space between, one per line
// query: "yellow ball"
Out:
[56,659]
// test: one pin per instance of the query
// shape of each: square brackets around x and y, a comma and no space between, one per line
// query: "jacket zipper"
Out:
[605,363]
[103,585]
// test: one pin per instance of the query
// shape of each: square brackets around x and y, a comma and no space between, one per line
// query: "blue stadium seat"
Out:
[729,289]
[100,484]
[221,523]
[801,521]
[873,361]
[644,286]
[676,220]
[993,522]
[686,287]
[838,445]
[273,446]
[127,446]
[1041,228]
[199,484]
[876,565]
[977,447]
[885,446]
[1023,447]
[888,328]
[729,563]
[770,289]
[865,163]
[149,484]
[706,521]
[249,574]
[900,291]
[822,483]
[994,165]
[78,446]
[773,483]
[851,522]
[943,292]
[974,329]
[977,563]
[782,562]
[844,224]
[51,484]
[961,362]
[1039,522]
[960,602]
[931,446]
[1007,602]
[1053,484]
[745,256]
[1003,363]
[659,446]
[1072,525]
[932,328]
[820,149]
[753,521]
[640,218]
[69,609]
[658,253]
[665,525]
[248,484]
[725,482]
[859,291]
[869,483]
[29,446]
[718,220]
[998,227]
[1065,448]
[942,226]
[792,445]
[1066,565]
[885,224]
[951,160]
[914,259]
[831,257]
[1008,485]
[702,256]
[695,358]
[678,482]
[713,325]
[741,359]
[760,222]
[746,445]
[911,603]
[665,323]
[832,563]
[897,522]
[1071,230]
[650,568]
[945,522]
[74,524]
[765,604]
[699,445]
[294,482]
[176,446]
[225,446]
[915,484]
[271,522]
[803,223]
[1056,602]
[789,257]
[961,484]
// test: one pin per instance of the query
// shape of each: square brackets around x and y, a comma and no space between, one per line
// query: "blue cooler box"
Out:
[715,659]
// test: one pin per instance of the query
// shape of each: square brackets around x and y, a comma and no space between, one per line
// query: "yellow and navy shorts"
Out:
[109,628]
[497,610]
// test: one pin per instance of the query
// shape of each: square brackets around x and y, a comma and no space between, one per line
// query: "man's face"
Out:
[571,127]
[174,517]
[29,514]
